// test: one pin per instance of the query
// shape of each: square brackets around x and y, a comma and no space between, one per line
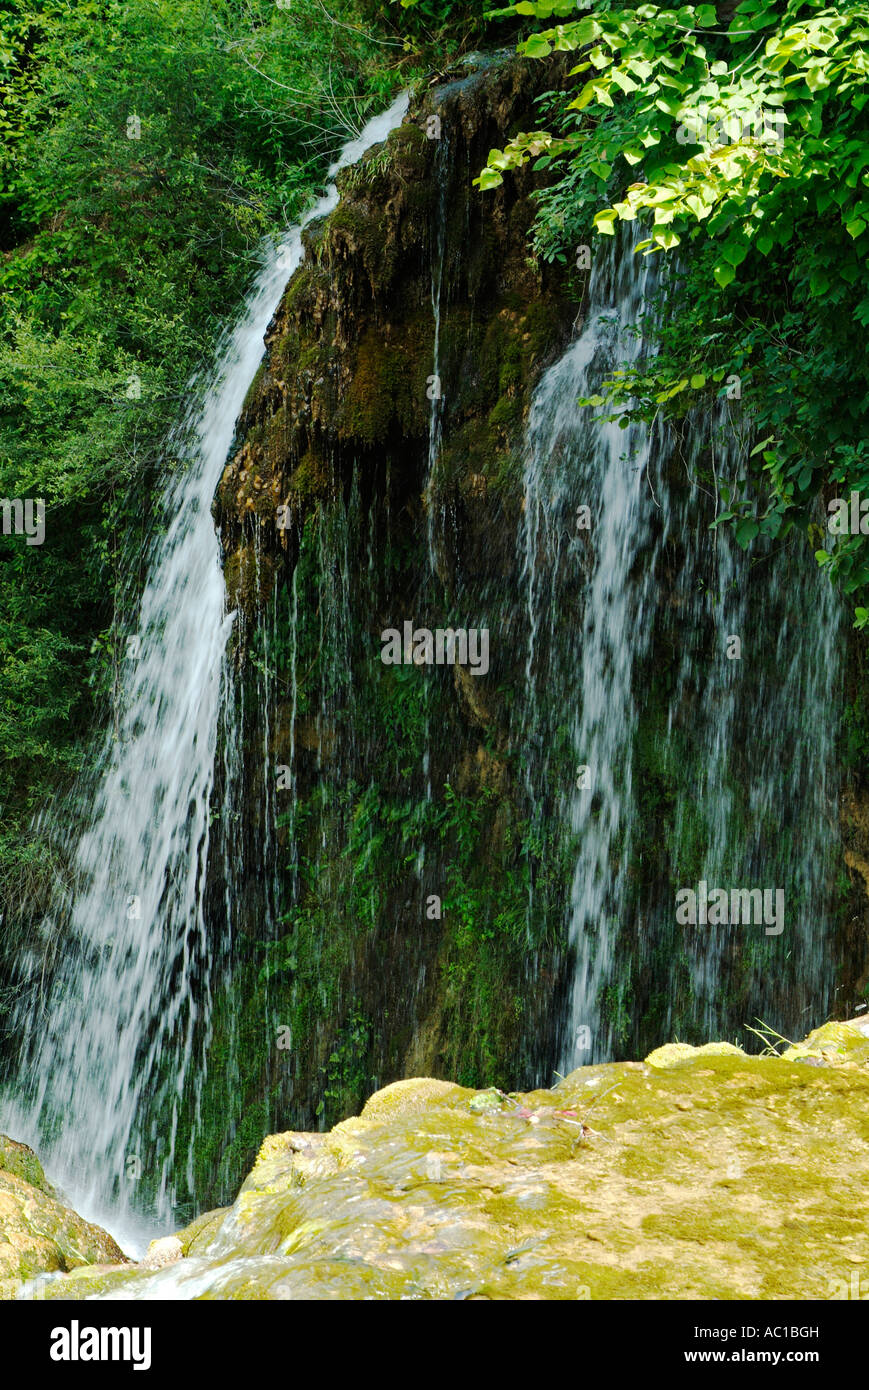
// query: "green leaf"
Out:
[622,80]
[489,178]
[605,221]
[600,58]
[723,273]
[759,448]
[734,252]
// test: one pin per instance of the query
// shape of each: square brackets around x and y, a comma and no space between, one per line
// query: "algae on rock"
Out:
[701,1173]
[38,1234]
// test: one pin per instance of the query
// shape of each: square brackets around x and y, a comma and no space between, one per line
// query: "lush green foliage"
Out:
[749,143]
[432,22]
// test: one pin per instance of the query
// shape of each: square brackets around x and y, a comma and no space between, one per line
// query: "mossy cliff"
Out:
[345,388]
[396,785]
[399,904]
[701,1173]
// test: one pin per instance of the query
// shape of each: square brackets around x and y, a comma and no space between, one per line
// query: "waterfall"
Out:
[575,459]
[435,428]
[651,758]
[117,1045]
[435,440]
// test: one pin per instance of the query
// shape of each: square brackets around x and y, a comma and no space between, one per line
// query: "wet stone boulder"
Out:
[39,1235]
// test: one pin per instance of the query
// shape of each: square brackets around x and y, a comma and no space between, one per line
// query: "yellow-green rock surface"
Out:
[38,1234]
[700,1173]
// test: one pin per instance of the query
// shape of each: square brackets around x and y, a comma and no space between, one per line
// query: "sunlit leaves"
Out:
[725,123]
[749,152]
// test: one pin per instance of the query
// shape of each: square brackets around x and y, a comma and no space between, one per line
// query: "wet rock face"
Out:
[18,1160]
[699,1173]
[330,536]
[161,1252]
[38,1234]
[346,382]
[854,823]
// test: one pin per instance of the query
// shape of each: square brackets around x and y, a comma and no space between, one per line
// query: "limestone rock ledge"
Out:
[698,1173]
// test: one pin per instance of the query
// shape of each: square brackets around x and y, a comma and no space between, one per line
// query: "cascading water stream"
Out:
[605,614]
[576,459]
[116,1046]
[435,428]
[766,795]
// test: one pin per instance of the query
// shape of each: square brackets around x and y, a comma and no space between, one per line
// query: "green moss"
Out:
[22,1161]
[86,1282]
[714,1179]
[678,1054]
[310,480]
[196,1237]
[387,388]
[250,576]
[833,1043]
[255,387]
[411,1097]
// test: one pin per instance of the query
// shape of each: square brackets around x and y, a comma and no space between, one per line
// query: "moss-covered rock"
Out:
[195,1237]
[410,1097]
[38,1234]
[22,1161]
[350,350]
[86,1281]
[834,1044]
[709,1174]
[677,1054]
